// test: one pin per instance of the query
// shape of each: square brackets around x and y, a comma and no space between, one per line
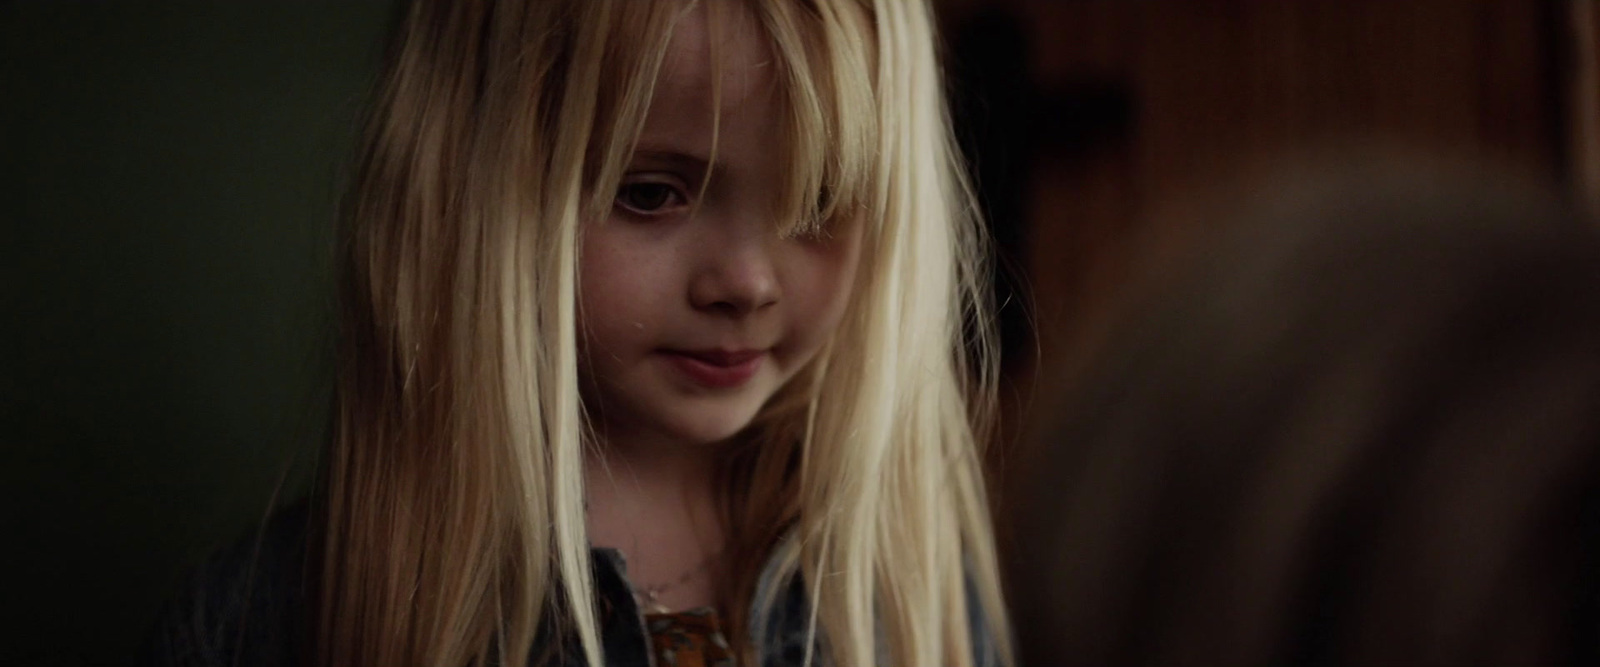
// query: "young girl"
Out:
[694,287]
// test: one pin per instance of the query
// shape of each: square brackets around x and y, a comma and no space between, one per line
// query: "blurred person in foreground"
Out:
[1361,426]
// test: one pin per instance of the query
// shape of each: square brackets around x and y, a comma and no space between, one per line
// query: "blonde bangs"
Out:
[636,45]
[825,56]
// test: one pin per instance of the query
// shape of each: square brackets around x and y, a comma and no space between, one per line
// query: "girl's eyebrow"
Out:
[671,158]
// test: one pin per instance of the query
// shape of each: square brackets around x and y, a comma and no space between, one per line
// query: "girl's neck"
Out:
[645,465]
[658,506]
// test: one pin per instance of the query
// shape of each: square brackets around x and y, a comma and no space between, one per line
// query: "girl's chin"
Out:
[661,414]
[695,424]
[709,429]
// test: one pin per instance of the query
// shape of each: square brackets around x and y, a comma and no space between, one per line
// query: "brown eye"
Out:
[649,198]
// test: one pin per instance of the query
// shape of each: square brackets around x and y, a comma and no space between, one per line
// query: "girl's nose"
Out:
[736,278]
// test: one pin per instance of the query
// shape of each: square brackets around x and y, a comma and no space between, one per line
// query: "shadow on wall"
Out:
[170,178]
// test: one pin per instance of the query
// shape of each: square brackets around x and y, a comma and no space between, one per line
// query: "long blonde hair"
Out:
[453,525]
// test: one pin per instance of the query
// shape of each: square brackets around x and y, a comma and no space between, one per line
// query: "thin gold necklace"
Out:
[649,597]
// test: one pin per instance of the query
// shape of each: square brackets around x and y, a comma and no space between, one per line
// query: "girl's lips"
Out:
[719,369]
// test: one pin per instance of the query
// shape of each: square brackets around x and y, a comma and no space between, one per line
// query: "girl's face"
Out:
[690,323]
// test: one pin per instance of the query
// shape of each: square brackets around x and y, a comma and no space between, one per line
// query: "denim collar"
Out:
[779,629]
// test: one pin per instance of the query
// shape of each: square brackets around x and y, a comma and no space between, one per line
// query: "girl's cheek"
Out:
[833,271]
[846,265]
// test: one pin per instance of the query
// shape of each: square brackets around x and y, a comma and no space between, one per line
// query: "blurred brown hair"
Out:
[1359,427]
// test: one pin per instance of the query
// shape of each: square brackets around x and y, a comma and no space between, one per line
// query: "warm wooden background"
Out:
[1134,105]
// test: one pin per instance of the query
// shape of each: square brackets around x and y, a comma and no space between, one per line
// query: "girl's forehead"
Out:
[728,48]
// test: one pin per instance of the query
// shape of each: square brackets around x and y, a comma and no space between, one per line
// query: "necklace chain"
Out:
[650,596]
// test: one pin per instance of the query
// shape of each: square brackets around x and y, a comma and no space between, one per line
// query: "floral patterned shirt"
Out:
[689,639]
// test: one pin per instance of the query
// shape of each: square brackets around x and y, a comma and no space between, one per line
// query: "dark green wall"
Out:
[169,181]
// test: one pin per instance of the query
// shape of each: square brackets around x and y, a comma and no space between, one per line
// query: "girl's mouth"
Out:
[718,369]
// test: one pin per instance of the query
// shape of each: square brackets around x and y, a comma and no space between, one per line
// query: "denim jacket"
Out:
[247,608]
